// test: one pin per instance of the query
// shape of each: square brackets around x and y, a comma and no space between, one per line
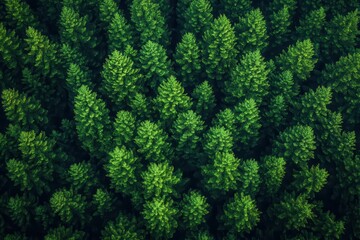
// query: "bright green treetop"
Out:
[217,140]
[194,209]
[123,227]
[204,99]
[119,33]
[249,177]
[124,128]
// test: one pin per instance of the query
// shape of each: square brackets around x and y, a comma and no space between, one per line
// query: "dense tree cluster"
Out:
[188,119]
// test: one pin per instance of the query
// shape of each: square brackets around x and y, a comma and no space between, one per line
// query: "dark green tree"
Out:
[119,33]
[123,227]
[217,140]
[279,26]
[103,202]
[272,171]
[107,11]
[62,232]
[19,208]
[235,8]
[194,209]
[10,48]
[249,177]
[197,17]
[204,100]
[275,116]
[140,107]
[81,177]
[76,76]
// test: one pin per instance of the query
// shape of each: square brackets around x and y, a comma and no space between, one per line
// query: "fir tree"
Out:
[19,208]
[272,170]
[194,209]
[217,140]
[119,33]
[198,17]
[123,227]
[249,177]
[279,26]
[275,116]
[103,202]
[81,177]
[75,78]
[187,58]
[10,48]
[107,11]
[226,119]
[62,232]
[204,100]
[124,129]
[140,107]
[235,8]
[251,32]
[283,84]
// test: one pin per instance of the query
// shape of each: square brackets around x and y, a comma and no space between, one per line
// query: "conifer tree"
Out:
[248,79]
[140,106]
[81,177]
[249,177]
[124,129]
[62,232]
[22,110]
[42,53]
[171,100]
[149,22]
[222,175]
[153,143]
[122,169]
[240,214]
[19,208]
[107,11]
[70,55]
[187,58]
[219,52]
[155,65]
[103,201]
[276,5]
[198,17]
[235,8]
[217,140]
[298,59]
[120,78]
[10,48]
[187,132]
[160,180]
[272,170]
[279,26]
[296,144]
[92,129]
[276,113]
[283,84]
[75,78]
[123,227]
[226,119]
[194,209]
[247,123]
[160,216]
[204,100]
[251,32]
[119,33]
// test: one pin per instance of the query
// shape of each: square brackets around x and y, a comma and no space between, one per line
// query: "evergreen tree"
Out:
[217,140]
[120,78]
[171,100]
[279,26]
[153,143]
[119,33]
[298,59]
[62,232]
[140,107]
[124,129]
[123,227]
[81,176]
[272,170]
[222,175]
[204,99]
[19,208]
[187,58]
[296,144]
[160,180]
[251,32]
[249,177]
[240,214]
[149,22]
[194,209]
[92,129]
[219,52]
[248,79]
[103,202]
[160,217]
[75,78]
[155,65]
[107,11]
[122,169]
[235,8]
[226,119]
[283,84]
[198,17]
[10,48]
[247,123]
[275,116]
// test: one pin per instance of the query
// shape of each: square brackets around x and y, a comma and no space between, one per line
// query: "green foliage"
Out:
[120,78]
[171,100]
[277,111]
[92,122]
[251,32]
[10,51]
[107,11]
[140,106]
[240,214]
[204,99]
[19,210]
[153,143]
[217,140]
[327,226]
[226,119]
[310,180]
[283,84]
[198,17]
[81,176]
[272,170]
[103,202]
[219,52]
[279,26]
[75,78]
[122,169]
[160,217]
[296,145]
[122,228]
[298,59]
[235,8]
[62,232]
[187,57]
[160,180]
[124,128]
[119,33]
[293,212]
[248,79]
[194,209]
[249,177]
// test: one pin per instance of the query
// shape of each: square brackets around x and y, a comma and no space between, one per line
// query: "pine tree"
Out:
[235,8]
[247,123]
[103,201]
[197,17]
[10,48]
[120,78]
[194,209]
[283,84]
[75,78]
[122,169]
[279,26]
[124,129]
[296,145]
[219,50]
[187,58]
[22,110]
[240,214]
[92,129]
[81,177]
[160,216]
[70,55]
[155,65]
[222,175]
[149,22]
[272,170]
[19,208]
[327,226]
[140,107]
[248,79]
[153,143]
[298,59]
[160,180]
[171,100]
[123,227]
[249,177]
[217,140]
[204,100]
[225,119]
[119,33]
[276,114]
[251,32]
[107,11]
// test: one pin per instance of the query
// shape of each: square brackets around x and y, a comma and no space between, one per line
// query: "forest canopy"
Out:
[187,119]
